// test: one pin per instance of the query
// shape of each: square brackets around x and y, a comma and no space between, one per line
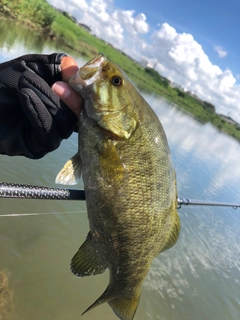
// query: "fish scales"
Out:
[129,183]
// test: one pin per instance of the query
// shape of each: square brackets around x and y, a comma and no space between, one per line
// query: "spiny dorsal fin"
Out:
[71,172]
[87,261]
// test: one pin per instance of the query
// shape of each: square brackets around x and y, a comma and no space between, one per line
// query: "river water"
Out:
[198,279]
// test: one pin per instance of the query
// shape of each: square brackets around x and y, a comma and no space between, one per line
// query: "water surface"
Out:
[198,279]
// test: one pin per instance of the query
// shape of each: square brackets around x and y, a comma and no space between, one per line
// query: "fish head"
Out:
[108,96]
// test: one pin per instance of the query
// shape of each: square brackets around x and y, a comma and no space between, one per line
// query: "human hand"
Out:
[33,119]
[63,90]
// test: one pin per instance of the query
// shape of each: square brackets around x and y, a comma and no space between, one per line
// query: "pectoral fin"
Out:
[87,261]
[71,172]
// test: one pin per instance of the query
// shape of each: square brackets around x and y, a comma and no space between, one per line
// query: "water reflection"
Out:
[16,41]
[201,144]
[10,37]
[205,262]
[6,297]
[197,279]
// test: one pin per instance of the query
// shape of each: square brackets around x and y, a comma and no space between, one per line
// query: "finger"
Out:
[73,100]
[68,67]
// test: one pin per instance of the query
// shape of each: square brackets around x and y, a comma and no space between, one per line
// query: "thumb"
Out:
[73,100]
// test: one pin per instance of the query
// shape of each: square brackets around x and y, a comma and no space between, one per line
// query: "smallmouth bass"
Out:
[129,183]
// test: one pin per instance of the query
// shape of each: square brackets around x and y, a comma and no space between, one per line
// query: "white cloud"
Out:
[177,56]
[182,59]
[133,25]
[74,7]
[222,53]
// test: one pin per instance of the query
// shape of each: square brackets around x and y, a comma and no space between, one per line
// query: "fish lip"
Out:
[89,73]
[96,62]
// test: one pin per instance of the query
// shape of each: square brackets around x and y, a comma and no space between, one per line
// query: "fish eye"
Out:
[117,81]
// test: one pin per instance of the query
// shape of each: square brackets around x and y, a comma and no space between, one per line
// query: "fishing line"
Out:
[38,213]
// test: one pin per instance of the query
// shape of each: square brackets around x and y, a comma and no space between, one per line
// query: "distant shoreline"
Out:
[62,28]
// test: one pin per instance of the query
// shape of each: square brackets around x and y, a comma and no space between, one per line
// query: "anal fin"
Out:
[87,261]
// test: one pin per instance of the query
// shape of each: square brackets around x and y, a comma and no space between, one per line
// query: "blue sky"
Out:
[211,23]
[195,44]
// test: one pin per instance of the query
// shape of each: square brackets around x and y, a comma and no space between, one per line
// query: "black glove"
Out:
[33,120]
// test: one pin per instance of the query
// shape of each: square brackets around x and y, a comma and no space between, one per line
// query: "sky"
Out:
[193,43]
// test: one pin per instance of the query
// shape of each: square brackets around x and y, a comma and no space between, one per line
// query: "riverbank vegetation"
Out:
[62,28]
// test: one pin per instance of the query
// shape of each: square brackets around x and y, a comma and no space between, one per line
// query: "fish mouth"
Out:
[89,73]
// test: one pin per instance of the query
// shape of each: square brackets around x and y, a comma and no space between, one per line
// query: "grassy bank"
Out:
[60,27]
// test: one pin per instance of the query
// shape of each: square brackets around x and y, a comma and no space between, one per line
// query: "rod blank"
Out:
[195,202]
[22,191]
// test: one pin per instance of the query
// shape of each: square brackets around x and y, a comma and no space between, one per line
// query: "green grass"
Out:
[35,12]
[60,27]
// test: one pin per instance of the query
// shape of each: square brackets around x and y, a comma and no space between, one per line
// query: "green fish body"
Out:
[129,183]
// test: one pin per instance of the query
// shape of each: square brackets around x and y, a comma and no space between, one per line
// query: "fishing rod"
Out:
[194,202]
[23,191]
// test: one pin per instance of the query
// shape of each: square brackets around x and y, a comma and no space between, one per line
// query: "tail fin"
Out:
[124,308]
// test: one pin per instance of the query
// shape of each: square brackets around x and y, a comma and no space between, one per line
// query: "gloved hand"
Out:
[33,120]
